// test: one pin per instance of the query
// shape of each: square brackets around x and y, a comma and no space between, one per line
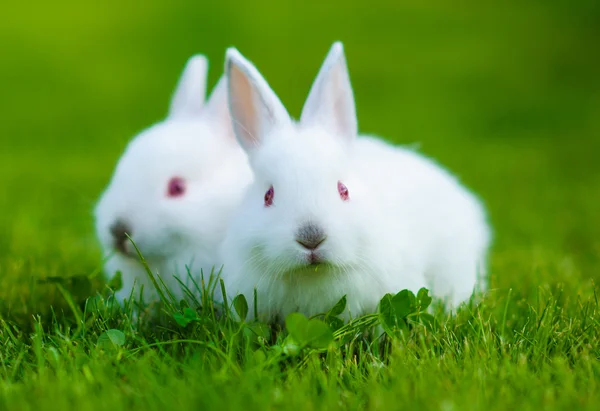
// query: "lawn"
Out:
[508,97]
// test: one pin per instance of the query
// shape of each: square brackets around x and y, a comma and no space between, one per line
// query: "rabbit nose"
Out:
[119,231]
[310,236]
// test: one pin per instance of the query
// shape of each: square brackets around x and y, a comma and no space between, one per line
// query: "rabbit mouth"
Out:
[314,259]
[125,249]
[310,269]
[122,251]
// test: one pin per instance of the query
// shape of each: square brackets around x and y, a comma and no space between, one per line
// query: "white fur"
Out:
[408,222]
[194,142]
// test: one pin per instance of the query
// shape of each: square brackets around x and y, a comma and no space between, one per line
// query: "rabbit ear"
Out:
[255,109]
[188,98]
[330,102]
[217,109]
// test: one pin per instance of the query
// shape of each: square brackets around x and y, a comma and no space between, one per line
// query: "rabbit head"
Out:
[302,221]
[175,184]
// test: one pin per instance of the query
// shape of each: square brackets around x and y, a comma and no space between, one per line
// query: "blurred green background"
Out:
[506,95]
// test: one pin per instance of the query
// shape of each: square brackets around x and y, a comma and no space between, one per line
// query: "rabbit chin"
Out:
[133,277]
[307,269]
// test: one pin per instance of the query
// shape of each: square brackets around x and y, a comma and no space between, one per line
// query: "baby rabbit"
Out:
[173,190]
[332,214]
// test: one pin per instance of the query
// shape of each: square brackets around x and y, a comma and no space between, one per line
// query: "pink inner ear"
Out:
[176,187]
[243,103]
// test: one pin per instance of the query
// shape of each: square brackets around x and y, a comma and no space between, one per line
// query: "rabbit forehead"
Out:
[304,155]
[172,148]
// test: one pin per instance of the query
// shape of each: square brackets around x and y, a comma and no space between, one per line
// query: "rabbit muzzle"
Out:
[120,232]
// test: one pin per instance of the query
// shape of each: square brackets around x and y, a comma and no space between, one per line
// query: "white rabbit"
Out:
[330,214]
[173,190]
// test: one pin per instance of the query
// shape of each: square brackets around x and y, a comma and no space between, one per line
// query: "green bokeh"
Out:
[507,96]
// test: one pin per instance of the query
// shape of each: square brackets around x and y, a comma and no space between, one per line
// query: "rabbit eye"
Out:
[343,190]
[269,196]
[176,187]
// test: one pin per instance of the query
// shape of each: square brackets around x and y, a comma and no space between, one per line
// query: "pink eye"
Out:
[176,187]
[343,190]
[269,196]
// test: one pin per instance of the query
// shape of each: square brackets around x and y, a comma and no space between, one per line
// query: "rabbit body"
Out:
[408,224]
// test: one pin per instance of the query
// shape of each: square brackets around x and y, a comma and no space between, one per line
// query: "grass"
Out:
[507,97]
